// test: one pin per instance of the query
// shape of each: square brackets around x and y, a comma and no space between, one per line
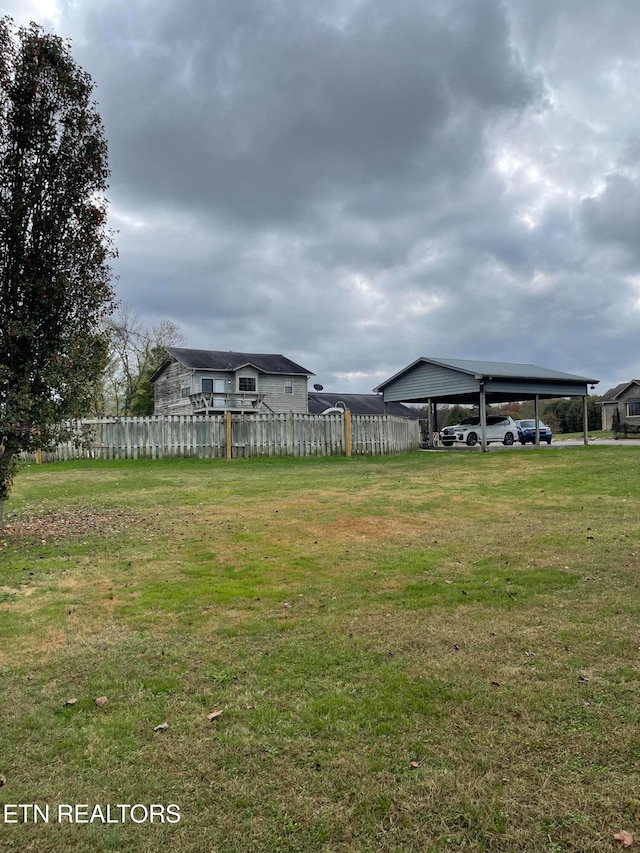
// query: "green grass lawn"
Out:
[431,652]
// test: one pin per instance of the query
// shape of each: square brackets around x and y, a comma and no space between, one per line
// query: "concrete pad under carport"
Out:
[561,444]
[433,381]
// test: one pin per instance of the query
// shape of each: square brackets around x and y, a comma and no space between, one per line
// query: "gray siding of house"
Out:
[199,375]
[277,400]
[167,391]
[429,380]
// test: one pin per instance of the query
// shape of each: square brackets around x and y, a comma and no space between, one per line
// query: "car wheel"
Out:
[472,439]
[508,439]
[548,441]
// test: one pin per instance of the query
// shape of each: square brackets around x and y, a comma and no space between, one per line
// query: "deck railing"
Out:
[222,401]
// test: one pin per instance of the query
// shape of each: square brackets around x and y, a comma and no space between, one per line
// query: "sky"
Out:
[359,183]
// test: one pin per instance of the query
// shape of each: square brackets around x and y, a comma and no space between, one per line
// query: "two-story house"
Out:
[194,381]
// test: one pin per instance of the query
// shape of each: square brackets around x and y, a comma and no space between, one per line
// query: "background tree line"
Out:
[133,353]
[563,415]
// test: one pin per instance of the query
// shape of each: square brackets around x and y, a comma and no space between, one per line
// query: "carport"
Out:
[437,380]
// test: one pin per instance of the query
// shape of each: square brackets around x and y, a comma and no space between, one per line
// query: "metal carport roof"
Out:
[461,381]
[456,380]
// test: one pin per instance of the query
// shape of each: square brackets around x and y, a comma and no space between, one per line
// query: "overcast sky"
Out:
[358,183]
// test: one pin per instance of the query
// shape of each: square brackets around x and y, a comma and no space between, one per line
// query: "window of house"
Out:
[185,389]
[207,386]
[288,386]
[633,408]
[246,383]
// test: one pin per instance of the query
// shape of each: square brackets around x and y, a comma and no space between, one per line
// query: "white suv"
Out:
[499,428]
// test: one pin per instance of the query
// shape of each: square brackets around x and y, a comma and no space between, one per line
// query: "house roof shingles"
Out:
[200,359]
[358,404]
[612,394]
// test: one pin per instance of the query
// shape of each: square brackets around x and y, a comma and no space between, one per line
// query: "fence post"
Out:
[347,431]
[228,420]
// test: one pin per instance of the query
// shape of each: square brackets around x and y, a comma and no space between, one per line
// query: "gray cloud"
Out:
[264,112]
[613,216]
[356,183]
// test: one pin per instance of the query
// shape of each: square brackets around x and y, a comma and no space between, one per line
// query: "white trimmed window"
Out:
[633,409]
[247,383]
[185,388]
[288,386]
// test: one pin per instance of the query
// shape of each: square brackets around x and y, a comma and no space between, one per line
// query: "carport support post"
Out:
[585,418]
[483,419]
[430,423]
[536,415]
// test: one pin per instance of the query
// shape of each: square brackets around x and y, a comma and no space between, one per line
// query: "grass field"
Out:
[432,652]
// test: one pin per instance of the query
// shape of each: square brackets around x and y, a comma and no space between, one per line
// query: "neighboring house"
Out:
[358,404]
[194,381]
[621,407]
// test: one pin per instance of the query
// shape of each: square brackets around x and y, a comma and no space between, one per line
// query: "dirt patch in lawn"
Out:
[54,525]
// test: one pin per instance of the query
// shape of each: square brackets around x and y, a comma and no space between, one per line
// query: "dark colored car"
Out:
[527,431]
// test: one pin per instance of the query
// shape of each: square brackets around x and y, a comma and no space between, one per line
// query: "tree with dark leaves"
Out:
[55,247]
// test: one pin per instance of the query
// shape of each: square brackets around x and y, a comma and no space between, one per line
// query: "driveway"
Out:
[556,444]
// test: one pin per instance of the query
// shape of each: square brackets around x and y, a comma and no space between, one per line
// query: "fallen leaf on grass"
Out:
[69,702]
[162,727]
[625,837]
[101,701]
[414,764]
[214,714]
[3,780]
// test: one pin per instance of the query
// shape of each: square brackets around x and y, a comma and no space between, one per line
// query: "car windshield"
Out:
[528,424]
[491,420]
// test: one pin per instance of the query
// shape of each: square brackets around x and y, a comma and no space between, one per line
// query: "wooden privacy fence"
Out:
[236,435]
